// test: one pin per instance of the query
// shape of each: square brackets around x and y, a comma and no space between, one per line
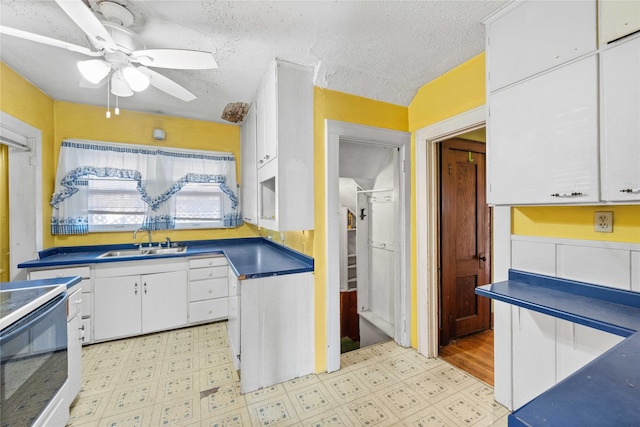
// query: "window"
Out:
[114,204]
[199,205]
[103,186]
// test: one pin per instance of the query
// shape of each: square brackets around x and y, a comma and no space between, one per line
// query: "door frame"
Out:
[334,131]
[12,127]
[427,225]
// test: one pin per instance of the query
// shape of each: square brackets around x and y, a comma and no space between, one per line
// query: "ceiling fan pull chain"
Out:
[108,92]
[117,109]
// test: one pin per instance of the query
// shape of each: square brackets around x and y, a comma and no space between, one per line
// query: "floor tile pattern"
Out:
[186,377]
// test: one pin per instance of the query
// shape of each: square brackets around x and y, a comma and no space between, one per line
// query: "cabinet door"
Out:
[164,301]
[621,122]
[618,18]
[249,169]
[270,111]
[577,345]
[543,138]
[534,354]
[233,324]
[537,35]
[117,307]
[74,350]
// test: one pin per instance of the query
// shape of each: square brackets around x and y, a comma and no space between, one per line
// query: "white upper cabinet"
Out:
[618,18]
[621,121]
[249,171]
[534,36]
[284,150]
[543,138]
[267,124]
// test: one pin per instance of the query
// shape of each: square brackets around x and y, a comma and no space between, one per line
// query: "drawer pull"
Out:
[631,190]
[574,194]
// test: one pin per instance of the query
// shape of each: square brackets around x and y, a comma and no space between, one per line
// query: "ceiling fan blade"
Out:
[47,40]
[88,22]
[180,59]
[167,85]
[86,84]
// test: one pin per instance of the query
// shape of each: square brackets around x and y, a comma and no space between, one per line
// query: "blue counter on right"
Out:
[606,392]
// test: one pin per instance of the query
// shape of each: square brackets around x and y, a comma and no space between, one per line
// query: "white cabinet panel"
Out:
[276,317]
[208,289]
[534,354]
[621,121]
[535,257]
[208,310]
[267,131]
[543,138]
[61,272]
[74,346]
[577,345]
[537,35]
[635,271]
[233,322]
[117,309]
[208,273]
[604,266]
[164,301]
[249,170]
[618,18]
[215,261]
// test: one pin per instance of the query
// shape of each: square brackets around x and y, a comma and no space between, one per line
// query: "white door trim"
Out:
[32,136]
[334,130]
[427,231]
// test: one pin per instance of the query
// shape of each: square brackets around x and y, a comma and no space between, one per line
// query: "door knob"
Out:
[481,257]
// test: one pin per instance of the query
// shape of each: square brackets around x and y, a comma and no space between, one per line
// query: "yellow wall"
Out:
[455,92]
[89,122]
[576,222]
[339,106]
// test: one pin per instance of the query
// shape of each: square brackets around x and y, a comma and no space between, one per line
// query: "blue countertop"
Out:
[248,257]
[606,392]
[69,282]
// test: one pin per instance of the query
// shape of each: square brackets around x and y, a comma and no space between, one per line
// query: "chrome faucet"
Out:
[148,233]
[168,242]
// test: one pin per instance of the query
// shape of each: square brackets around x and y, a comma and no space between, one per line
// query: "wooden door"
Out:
[465,239]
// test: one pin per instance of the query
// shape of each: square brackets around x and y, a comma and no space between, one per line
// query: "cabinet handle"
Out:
[267,157]
[247,219]
[135,288]
[574,194]
[261,161]
[145,287]
[630,190]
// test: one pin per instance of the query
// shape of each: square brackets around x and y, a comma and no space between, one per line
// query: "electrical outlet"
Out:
[604,222]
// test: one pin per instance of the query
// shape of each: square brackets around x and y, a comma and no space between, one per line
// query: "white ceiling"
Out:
[383,50]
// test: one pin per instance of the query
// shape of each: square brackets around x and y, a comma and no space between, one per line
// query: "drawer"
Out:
[74,304]
[86,330]
[208,262]
[208,289]
[208,273]
[213,309]
[60,272]
[86,304]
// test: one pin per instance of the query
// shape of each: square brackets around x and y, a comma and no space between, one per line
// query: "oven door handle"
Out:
[33,317]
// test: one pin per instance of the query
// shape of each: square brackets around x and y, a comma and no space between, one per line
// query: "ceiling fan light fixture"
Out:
[119,86]
[137,80]
[94,70]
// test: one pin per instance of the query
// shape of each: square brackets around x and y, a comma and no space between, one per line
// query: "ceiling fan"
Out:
[121,59]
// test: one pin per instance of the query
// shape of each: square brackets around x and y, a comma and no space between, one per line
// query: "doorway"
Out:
[465,239]
[371,136]
[22,192]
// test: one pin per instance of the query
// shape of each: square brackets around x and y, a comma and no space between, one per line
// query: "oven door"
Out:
[33,362]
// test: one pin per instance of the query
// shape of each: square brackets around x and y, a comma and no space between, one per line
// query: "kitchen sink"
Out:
[121,253]
[162,251]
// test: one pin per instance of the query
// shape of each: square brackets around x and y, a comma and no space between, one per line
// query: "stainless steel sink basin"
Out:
[121,253]
[161,251]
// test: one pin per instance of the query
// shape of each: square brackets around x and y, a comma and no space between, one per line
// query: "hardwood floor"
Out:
[473,354]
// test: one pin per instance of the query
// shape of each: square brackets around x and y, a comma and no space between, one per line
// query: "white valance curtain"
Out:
[160,173]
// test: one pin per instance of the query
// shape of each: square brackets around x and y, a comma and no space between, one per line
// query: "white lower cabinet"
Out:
[128,304]
[208,289]
[75,336]
[233,322]
[546,350]
[577,345]
[276,330]
[534,354]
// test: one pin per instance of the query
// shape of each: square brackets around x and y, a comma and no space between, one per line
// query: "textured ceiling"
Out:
[383,50]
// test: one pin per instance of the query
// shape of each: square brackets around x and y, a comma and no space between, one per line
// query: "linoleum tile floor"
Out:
[186,377]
